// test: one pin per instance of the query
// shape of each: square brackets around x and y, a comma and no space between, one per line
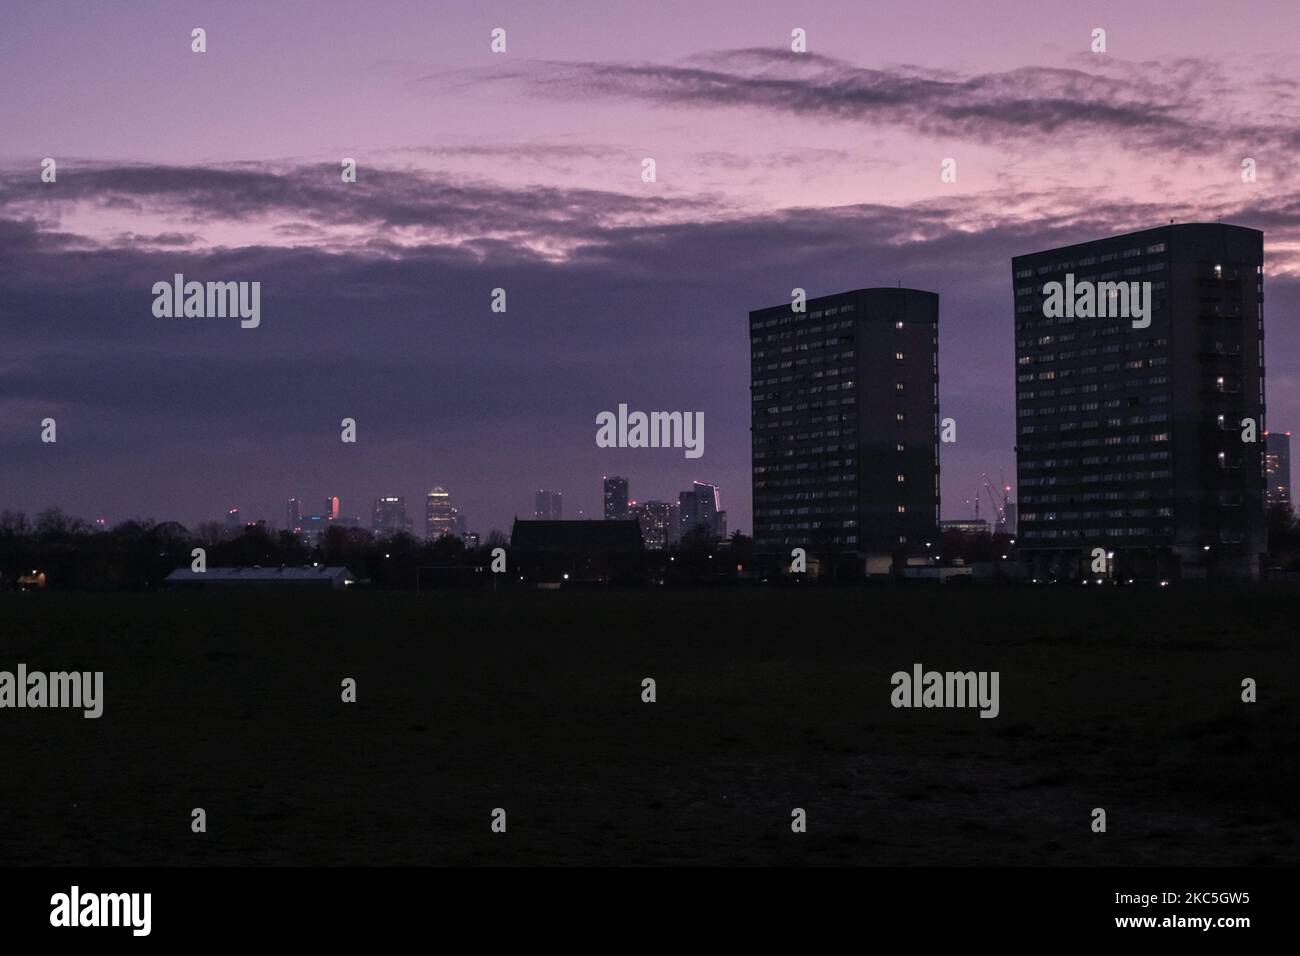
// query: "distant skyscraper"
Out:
[549,506]
[656,518]
[845,415]
[1277,463]
[439,514]
[700,509]
[471,539]
[234,526]
[616,499]
[1129,437]
[687,514]
[332,507]
[389,516]
[293,515]
[1008,521]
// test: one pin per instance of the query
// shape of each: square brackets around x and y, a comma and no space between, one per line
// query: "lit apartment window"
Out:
[1218,271]
[898,325]
[898,417]
[902,509]
[900,478]
[898,356]
[900,447]
[898,386]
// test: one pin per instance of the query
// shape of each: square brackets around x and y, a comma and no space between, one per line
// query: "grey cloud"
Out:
[1152,106]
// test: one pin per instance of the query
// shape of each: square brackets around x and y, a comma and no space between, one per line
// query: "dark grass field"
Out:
[767,700]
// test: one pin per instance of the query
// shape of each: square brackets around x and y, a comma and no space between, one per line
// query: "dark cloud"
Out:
[1175,106]
[156,239]
[381,199]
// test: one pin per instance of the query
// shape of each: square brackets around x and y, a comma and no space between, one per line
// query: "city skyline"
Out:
[387,512]
[377,295]
[332,510]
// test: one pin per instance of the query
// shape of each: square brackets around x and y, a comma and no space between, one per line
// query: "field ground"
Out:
[1123,699]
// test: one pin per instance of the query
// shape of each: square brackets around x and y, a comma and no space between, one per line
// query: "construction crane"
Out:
[1001,509]
[1007,522]
[993,499]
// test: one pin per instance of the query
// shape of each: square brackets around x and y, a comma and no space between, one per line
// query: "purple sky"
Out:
[522,171]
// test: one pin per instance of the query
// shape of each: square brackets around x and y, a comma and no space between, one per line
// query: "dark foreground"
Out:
[768,700]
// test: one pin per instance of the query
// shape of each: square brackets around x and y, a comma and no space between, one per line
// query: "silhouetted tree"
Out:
[53,523]
[741,549]
[13,523]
